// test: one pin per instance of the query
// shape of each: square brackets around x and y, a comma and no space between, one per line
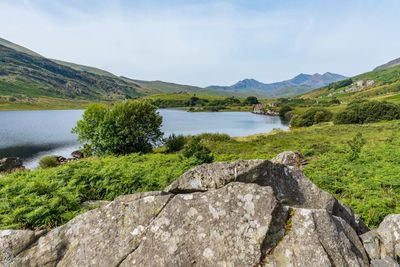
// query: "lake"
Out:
[34,134]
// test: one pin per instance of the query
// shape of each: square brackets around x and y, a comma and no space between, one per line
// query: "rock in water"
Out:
[242,213]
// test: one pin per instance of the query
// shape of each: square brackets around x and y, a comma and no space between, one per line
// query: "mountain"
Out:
[381,83]
[389,64]
[25,72]
[32,75]
[300,84]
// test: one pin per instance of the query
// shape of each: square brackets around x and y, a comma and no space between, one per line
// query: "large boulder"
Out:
[383,244]
[243,213]
[9,164]
[389,231]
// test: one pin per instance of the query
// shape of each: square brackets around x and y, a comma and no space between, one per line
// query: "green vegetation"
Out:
[175,143]
[48,162]
[369,85]
[311,116]
[34,76]
[51,197]
[127,127]
[195,149]
[355,145]
[202,102]
[364,111]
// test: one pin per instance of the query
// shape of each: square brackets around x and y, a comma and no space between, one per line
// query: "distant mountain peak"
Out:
[301,83]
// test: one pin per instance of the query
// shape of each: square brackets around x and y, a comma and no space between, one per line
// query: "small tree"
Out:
[127,127]
[195,149]
[251,100]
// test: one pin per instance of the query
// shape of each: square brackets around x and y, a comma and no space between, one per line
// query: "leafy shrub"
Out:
[251,100]
[340,84]
[175,143]
[127,127]
[355,145]
[197,150]
[311,116]
[12,99]
[215,137]
[285,109]
[51,197]
[48,162]
[364,111]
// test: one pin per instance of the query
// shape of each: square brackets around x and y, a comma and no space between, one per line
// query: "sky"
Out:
[209,42]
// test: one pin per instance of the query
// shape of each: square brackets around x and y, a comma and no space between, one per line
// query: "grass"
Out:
[386,81]
[43,103]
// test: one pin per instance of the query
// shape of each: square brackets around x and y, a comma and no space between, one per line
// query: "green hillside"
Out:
[24,75]
[381,84]
[84,68]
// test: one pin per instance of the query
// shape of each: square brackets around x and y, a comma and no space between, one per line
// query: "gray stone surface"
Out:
[389,232]
[291,158]
[318,239]
[385,262]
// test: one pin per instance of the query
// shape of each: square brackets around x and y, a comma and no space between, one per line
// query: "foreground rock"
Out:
[383,244]
[10,164]
[243,213]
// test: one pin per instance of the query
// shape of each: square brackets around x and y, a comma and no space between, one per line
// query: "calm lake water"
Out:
[34,134]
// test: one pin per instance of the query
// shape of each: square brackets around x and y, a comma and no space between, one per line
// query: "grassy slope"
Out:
[84,68]
[23,74]
[386,87]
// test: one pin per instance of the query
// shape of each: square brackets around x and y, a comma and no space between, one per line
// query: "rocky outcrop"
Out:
[78,154]
[10,164]
[243,213]
[62,160]
[266,109]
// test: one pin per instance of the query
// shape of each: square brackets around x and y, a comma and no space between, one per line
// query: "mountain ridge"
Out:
[299,84]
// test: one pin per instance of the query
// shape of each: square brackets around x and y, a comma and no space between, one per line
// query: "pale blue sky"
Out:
[209,42]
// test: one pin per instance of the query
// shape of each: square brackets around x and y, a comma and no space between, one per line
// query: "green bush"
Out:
[251,100]
[51,197]
[284,109]
[127,127]
[48,162]
[175,143]
[215,137]
[364,111]
[197,150]
[311,116]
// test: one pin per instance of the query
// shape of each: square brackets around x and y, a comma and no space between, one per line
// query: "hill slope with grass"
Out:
[380,84]
[26,75]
